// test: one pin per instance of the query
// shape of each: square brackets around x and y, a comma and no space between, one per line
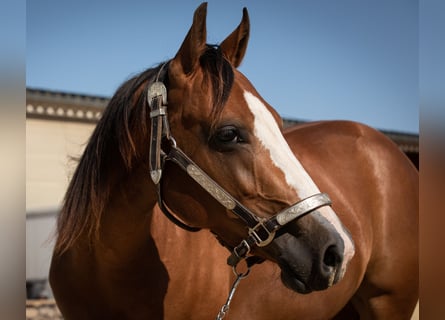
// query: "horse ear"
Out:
[235,45]
[194,43]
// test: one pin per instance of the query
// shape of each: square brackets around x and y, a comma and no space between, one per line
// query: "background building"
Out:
[57,127]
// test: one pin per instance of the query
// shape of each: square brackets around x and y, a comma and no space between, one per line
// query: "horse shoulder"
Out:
[364,171]
[375,189]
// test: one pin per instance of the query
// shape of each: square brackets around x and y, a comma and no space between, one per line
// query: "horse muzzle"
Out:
[310,254]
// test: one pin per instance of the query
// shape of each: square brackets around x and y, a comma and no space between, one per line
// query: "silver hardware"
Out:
[162,111]
[260,242]
[156,176]
[172,141]
[302,207]
[157,89]
[210,186]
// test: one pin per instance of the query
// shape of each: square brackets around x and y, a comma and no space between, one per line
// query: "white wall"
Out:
[49,146]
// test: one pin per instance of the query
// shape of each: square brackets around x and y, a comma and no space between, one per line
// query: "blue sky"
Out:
[310,59]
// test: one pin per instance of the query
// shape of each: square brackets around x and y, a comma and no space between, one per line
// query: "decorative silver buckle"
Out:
[157,89]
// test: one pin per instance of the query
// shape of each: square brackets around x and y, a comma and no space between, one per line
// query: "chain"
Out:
[225,308]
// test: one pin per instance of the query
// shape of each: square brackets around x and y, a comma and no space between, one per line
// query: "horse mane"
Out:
[117,136]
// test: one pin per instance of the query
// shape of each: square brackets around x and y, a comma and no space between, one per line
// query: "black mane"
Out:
[118,135]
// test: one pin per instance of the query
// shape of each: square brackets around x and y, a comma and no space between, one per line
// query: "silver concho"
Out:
[154,90]
[156,176]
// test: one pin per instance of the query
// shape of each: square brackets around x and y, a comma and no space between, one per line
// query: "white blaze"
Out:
[268,133]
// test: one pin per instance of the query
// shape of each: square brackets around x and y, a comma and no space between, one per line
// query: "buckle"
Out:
[243,245]
[156,89]
[261,235]
[239,253]
[162,111]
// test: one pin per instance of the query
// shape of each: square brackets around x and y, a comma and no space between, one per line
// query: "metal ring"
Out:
[172,141]
[240,274]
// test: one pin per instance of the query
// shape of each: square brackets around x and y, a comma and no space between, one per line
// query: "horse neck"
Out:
[125,224]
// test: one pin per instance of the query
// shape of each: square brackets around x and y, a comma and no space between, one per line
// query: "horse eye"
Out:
[228,134]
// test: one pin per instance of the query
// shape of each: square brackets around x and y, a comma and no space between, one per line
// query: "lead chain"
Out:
[225,308]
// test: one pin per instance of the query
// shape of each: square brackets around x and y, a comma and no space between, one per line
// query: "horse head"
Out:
[231,133]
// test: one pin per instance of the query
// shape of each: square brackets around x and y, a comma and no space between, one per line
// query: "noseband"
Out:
[261,231]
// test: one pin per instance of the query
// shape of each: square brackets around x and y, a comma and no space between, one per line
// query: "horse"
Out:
[189,164]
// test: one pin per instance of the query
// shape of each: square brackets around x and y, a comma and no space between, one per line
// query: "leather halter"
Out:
[261,231]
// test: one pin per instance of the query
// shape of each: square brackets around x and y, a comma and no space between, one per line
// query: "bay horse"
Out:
[193,139]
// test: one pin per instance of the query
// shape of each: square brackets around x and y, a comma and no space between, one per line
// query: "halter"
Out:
[261,231]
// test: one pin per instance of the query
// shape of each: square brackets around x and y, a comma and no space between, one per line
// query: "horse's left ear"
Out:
[194,43]
[235,45]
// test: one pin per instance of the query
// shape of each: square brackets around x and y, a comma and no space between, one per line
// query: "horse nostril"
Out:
[332,257]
